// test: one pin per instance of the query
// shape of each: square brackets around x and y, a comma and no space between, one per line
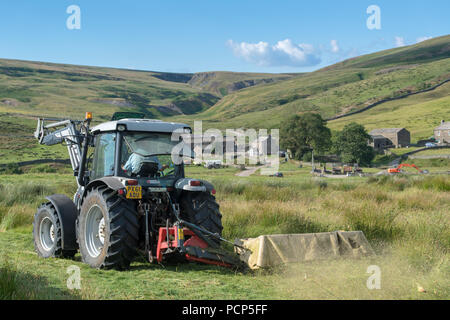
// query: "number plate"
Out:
[134,192]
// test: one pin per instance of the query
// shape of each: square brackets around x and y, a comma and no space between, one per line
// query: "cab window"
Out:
[103,163]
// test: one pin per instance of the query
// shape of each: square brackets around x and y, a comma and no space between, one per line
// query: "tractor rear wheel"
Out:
[47,233]
[201,209]
[108,230]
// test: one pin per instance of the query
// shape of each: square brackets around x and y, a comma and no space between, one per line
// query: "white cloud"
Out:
[399,41]
[420,39]
[334,46]
[283,53]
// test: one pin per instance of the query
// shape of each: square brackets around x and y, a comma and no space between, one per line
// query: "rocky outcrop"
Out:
[170,109]
[115,102]
[10,102]
[174,77]
[221,83]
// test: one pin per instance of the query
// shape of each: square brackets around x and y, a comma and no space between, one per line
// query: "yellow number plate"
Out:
[134,192]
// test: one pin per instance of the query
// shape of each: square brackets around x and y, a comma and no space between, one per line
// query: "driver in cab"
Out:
[134,161]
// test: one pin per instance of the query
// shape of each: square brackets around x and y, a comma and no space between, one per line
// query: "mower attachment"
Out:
[271,250]
[187,243]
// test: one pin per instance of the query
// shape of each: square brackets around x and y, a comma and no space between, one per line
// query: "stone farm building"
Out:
[442,133]
[390,137]
[380,142]
[213,144]
[266,145]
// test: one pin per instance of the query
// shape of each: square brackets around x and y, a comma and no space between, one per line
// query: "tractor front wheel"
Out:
[107,230]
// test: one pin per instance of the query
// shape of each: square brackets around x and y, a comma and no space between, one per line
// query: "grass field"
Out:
[405,218]
[434,152]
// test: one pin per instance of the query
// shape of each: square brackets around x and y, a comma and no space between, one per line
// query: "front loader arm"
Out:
[72,132]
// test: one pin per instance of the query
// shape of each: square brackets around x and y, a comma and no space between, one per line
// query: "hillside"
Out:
[30,89]
[420,114]
[222,83]
[228,99]
[36,88]
[344,87]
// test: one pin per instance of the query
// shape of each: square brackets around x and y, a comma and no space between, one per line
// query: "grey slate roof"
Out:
[378,137]
[375,132]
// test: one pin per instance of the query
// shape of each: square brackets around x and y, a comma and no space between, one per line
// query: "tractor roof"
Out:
[146,125]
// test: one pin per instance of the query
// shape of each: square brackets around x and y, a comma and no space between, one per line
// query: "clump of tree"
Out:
[351,144]
[305,132]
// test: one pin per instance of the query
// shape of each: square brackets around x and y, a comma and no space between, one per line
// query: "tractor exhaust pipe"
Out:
[81,174]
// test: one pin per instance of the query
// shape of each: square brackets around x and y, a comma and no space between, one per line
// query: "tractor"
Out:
[132,197]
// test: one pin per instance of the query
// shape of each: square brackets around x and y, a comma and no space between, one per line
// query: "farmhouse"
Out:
[213,144]
[442,133]
[265,145]
[393,137]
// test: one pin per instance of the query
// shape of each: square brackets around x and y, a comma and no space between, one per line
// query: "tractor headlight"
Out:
[121,127]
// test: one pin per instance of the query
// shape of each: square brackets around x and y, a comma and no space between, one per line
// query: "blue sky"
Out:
[209,35]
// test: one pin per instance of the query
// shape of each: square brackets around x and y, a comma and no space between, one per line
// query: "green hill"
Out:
[420,114]
[31,89]
[37,88]
[338,89]
[228,99]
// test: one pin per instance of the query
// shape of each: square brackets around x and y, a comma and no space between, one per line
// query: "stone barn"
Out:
[396,137]
[380,142]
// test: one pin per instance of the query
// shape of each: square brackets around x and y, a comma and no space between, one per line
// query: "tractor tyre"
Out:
[107,230]
[201,209]
[47,233]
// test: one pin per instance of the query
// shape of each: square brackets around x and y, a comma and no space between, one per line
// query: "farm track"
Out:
[248,171]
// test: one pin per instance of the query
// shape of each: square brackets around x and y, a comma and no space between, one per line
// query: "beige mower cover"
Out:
[271,250]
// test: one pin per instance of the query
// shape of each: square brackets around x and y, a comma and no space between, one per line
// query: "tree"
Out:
[304,132]
[352,144]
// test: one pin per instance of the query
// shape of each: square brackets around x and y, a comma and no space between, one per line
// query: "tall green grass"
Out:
[405,218]
[18,201]
[409,213]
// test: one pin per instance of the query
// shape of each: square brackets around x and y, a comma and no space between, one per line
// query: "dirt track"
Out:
[248,171]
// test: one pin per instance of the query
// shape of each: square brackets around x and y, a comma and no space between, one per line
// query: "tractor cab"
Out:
[141,149]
